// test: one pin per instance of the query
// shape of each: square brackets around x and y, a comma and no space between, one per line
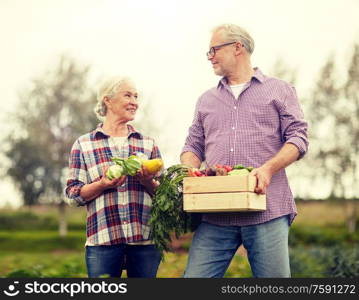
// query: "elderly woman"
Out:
[118,210]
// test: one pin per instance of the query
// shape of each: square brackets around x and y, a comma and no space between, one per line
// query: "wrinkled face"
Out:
[223,62]
[124,104]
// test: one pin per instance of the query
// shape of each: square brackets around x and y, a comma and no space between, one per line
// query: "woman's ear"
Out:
[106,100]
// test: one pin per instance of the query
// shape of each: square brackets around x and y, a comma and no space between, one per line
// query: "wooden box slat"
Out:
[219,184]
[222,194]
[224,202]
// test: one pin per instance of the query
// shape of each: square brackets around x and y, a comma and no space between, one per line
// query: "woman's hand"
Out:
[93,190]
[144,177]
[147,180]
[109,184]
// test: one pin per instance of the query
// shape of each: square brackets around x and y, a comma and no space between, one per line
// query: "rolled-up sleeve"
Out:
[293,125]
[77,176]
[195,141]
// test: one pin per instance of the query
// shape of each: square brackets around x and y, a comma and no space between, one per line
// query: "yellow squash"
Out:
[153,165]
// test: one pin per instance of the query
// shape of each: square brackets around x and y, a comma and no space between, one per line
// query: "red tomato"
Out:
[198,173]
[227,168]
[191,172]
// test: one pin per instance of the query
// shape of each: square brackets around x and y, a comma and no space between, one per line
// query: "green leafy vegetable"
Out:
[240,167]
[114,171]
[130,165]
[239,172]
[167,213]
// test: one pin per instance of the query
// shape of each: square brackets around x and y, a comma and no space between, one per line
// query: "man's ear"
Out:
[239,48]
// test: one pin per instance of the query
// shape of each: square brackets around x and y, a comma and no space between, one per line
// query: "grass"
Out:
[65,263]
[72,264]
[45,254]
[31,247]
[40,241]
[322,213]
[306,261]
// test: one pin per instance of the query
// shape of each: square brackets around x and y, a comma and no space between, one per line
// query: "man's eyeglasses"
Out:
[212,51]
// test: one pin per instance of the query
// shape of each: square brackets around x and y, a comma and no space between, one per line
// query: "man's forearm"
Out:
[190,159]
[287,155]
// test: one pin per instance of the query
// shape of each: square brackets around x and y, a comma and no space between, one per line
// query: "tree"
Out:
[53,112]
[299,172]
[323,148]
[351,90]
[282,71]
[334,133]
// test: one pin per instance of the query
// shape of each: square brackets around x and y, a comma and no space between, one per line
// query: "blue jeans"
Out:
[139,260]
[213,248]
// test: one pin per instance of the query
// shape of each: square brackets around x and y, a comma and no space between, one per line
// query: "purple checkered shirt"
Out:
[119,215]
[249,131]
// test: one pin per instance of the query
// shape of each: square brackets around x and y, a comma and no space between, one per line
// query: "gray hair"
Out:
[108,88]
[234,33]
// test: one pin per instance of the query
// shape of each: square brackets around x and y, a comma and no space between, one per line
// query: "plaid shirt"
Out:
[249,131]
[119,215]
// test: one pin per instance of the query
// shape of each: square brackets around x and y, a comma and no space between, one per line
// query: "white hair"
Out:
[234,33]
[108,88]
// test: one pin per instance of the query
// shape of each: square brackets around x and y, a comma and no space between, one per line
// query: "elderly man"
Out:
[253,120]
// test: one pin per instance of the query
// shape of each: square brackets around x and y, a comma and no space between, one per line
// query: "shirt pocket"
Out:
[97,161]
[217,121]
[264,116]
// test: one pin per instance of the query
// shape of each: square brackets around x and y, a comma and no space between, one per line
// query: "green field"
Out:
[45,254]
[320,246]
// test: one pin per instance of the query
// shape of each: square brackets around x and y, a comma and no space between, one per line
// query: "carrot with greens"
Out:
[167,213]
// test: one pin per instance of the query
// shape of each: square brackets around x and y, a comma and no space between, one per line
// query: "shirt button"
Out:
[235,107]
[232,128]
[231,149]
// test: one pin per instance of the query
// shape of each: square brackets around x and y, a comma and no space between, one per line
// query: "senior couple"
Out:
[248,118]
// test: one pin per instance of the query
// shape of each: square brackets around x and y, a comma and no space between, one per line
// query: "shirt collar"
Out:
[131,131]
[257,75]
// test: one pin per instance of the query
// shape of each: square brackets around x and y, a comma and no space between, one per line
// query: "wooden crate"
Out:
[222,194]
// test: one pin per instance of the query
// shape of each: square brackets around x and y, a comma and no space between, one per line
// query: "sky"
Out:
[162,46]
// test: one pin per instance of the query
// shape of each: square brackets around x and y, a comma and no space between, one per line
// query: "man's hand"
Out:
[264,177]
[286,155]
